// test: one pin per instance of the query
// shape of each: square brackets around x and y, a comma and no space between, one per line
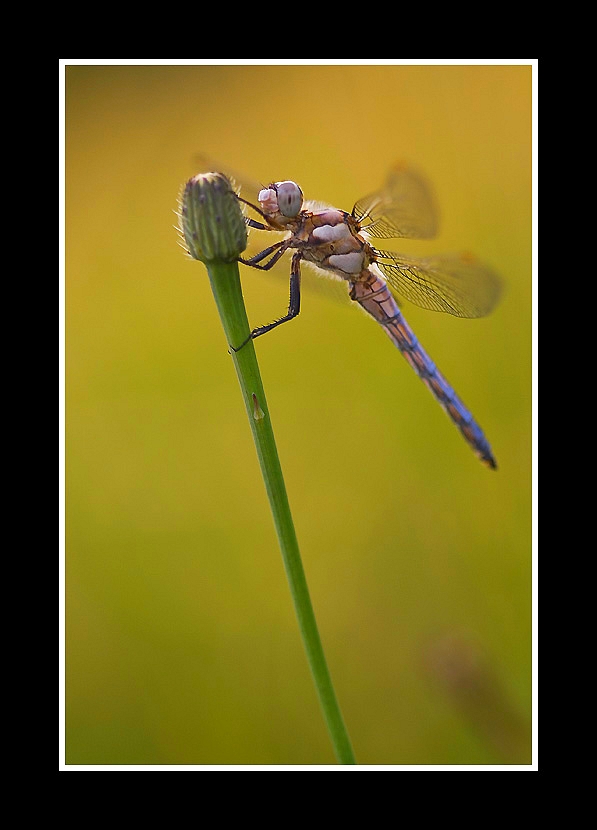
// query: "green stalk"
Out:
[215,232]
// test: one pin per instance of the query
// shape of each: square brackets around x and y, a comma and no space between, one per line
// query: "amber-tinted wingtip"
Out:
[490,462]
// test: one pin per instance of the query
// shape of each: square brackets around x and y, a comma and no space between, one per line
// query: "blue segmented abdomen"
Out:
[375,297]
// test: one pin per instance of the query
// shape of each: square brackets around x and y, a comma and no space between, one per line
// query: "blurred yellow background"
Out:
[181,641]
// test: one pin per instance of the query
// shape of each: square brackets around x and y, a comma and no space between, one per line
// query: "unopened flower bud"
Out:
[211,219]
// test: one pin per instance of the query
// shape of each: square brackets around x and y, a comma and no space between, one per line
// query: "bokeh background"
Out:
[181,641]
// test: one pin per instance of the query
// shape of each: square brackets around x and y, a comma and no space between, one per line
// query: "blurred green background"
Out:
[181,641]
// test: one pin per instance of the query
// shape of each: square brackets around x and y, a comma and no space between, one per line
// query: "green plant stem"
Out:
[225,283]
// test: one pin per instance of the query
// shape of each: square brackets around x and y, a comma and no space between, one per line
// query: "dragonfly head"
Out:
[282,197]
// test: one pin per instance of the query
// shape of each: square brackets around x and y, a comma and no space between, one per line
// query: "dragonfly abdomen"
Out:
[374,296]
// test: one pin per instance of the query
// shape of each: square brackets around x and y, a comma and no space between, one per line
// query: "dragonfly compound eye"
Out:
[290,198]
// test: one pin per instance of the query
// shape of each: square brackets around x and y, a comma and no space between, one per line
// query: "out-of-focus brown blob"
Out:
[458,666]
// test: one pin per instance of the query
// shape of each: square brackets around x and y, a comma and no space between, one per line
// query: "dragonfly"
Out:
[337,244]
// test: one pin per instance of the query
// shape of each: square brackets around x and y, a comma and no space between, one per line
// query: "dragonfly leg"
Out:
[257,210]
[259,225]
[294,305]
[254,260]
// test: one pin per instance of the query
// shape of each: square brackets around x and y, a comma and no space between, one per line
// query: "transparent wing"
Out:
[244,186]
[456,284]
[248,188]
[403,208]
